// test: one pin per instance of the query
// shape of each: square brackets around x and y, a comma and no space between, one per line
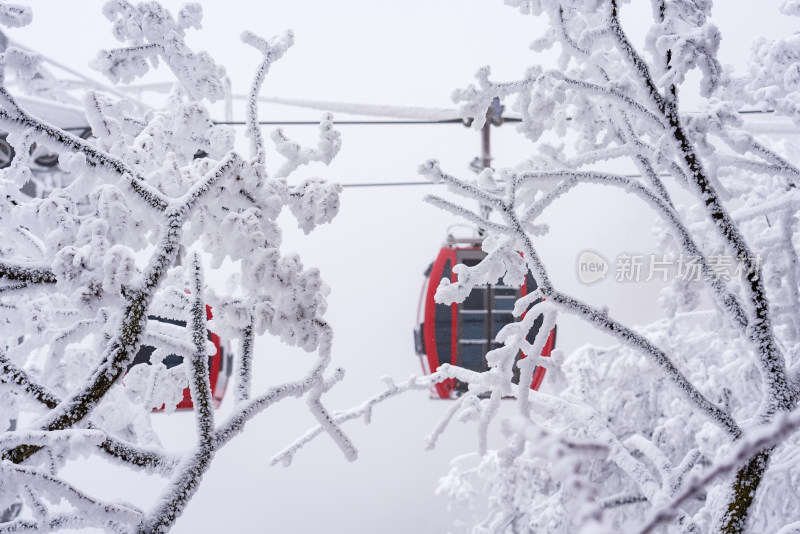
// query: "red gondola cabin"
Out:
[462,334]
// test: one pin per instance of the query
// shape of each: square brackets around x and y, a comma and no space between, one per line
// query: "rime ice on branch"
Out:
[669,404]
[76,295]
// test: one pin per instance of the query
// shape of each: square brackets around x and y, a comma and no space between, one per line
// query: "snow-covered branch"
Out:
[199,383]
[244,369]
[732,366]
[55,487]
[35,274]
[97,324]
[272,51]
[286,455]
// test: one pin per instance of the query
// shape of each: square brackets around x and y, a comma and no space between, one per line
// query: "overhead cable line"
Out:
[397,184]
[366,123]
[386,184]
[399,122]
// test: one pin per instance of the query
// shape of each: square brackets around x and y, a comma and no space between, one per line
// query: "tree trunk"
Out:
[743,491]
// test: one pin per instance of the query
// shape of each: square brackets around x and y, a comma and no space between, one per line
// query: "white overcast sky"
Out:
[412,52]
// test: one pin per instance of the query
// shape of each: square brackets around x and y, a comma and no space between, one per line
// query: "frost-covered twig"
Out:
[314,383]
[773,163]
[433,172]
[612,93]
[446,418]
[245,360]
[9,102]
[621,499]
[199,383]
[786,203]
[460,211]
[272,51]
[296,155]
[642,159]
[364,410]
[165,341]
[327,422]
[94,157]
[245,411]
[670,477]
[11,373]
[61,521]
[753,165]
[32,273]
[57,488]
[777,160]
[528,365]
[39,508]
[62,438]
[148,459]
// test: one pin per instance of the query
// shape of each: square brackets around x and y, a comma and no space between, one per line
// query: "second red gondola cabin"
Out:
[220,364]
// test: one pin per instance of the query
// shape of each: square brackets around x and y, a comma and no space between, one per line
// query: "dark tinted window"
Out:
[229,364]
[176,322]
[172,360]
[500,320]
[504,303]
[530,283]
[476,300]
[537,324]
[472,355]
[143,356]
[473,326]
[146,351]
[506,291]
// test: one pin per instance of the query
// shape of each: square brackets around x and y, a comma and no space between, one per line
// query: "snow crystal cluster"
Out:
[110,260]
[688,425]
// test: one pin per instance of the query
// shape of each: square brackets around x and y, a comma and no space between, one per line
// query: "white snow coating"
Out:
[685,425]
[369,110]
[20,61]
[92,271]
[706,443]
[15,15]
